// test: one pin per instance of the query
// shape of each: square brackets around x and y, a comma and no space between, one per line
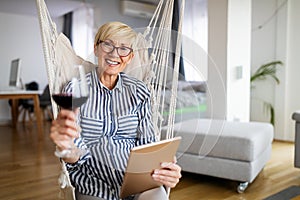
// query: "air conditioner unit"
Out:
[137,9]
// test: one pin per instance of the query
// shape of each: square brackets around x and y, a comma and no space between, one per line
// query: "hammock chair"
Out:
[156,69]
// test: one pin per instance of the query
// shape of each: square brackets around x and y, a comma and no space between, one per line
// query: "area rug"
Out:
[292,192]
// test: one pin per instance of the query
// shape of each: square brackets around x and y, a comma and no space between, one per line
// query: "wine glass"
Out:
[71,98]
[79,91]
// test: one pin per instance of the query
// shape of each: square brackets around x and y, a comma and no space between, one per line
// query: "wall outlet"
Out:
[239,72]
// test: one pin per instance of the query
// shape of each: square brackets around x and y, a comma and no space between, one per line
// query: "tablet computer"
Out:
[142,162]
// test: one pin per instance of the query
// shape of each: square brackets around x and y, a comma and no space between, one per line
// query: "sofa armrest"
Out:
[296,116]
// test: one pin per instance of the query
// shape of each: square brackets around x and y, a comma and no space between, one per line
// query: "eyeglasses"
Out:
[108,48]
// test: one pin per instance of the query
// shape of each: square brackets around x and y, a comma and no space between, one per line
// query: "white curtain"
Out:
[195,40]
[82,32]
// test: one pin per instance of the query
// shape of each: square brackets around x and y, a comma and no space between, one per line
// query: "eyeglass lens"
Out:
[108,48]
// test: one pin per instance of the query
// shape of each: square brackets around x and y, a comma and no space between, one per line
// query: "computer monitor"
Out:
[15,73]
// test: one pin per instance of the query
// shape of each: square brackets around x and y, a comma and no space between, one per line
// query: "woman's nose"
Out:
[114,52]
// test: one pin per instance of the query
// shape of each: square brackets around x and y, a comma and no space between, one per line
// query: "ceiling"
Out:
[56,7]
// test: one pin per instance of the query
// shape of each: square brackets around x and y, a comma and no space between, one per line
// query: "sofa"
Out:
[231,150]
[296,117]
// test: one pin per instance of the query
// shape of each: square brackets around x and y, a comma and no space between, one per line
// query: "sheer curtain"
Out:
[195,40]
[82,32]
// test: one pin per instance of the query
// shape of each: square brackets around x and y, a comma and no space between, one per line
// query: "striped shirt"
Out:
[112,122]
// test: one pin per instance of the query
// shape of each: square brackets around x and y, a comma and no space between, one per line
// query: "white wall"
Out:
[277,40]
[228,47]
[238,60]
[20,37]
[263,51]
[287,98]
[280,101]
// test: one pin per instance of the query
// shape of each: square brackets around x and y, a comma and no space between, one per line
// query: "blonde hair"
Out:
[115,29]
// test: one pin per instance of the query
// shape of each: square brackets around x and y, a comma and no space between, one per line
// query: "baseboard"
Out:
[4,122]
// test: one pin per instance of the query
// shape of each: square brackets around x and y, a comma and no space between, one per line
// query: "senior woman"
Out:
[115,118]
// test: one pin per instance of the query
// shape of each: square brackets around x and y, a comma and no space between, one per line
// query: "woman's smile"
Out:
[112,62]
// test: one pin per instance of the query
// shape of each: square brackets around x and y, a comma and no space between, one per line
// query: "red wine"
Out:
[67,101]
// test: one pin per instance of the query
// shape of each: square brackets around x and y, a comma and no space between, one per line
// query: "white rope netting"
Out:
[161,66]
[60,57]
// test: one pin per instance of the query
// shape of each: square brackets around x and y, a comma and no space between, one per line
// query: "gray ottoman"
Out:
[231,150]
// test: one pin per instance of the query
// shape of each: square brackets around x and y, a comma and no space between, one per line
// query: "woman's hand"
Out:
[169,175]
[63,131]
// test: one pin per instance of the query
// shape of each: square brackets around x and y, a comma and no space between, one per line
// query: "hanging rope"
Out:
[160,62]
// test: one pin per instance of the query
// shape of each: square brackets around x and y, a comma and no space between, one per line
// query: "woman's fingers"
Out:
[64,129]
[66,123]
[63,132]
[169,175]
[69,114]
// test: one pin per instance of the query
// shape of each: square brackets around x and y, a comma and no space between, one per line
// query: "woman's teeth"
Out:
[112,62]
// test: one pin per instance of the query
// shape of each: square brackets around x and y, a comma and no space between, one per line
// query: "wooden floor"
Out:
[29,170]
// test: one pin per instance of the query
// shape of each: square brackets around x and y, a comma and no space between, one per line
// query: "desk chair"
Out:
[45,103]
[27,107]
[24,105]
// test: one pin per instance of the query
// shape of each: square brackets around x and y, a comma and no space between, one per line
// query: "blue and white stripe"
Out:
[112,123]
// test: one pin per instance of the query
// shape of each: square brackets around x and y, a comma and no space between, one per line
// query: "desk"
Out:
[24,94]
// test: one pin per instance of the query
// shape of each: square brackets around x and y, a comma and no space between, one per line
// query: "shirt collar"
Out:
[119,84]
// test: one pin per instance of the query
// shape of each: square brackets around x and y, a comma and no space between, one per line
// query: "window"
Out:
[82,32]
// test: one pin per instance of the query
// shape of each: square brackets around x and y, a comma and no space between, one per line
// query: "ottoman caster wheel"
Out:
[242,187]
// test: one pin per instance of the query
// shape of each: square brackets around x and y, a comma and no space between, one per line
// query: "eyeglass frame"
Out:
[114,47]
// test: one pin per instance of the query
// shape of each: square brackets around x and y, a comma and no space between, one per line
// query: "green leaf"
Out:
[270,109]
[267,70]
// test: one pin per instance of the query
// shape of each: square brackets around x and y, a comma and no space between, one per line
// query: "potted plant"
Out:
[263,72]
